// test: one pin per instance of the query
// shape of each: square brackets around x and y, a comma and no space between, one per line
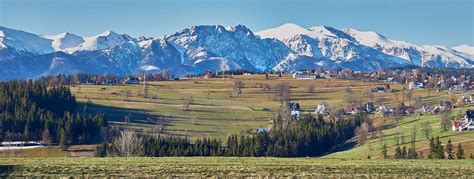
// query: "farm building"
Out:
[20,145]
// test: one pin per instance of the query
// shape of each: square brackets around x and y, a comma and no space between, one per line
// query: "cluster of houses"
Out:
[415,78]
[371,108]
[442,106]
[113,82]
[468,98]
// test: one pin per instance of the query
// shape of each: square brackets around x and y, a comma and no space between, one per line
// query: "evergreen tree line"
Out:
[39,112]
[100,79]
[437,151]
[403,153]
[308,136]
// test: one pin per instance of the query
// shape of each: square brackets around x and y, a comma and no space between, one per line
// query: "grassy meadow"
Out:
[217,110]
[374,145]
[232,167]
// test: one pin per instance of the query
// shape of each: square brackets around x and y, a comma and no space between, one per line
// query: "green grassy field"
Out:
[232,167]
[373,146]
[217,110]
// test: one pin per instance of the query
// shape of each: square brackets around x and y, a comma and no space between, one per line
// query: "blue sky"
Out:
[444,22]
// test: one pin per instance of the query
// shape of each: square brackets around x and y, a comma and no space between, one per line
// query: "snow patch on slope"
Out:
[283,32]
[65,40]
[465,49]
[106,40]
[24,41]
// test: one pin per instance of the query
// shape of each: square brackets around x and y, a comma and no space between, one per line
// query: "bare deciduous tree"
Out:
[426,129]
[380,100]
[126,94]
[187,103]
[418,102]
[310,88]
[166,74]
[409,95]
[398,137]
[445,121]
[328,82]
[414,130]
[127,117]
[145,90]
[129,144]
[350,98]
[283,93]
[362,131]
[238,86]
[266,87]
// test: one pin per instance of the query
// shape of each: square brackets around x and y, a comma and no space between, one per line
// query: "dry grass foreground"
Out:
[232,167]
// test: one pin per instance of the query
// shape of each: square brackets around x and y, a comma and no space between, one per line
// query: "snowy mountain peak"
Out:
[108,33]
[63,41]
[465,49]
[283,32]
[240,28]
[194,50]
[105,40]
[324,30]
[374,39]
[23,41]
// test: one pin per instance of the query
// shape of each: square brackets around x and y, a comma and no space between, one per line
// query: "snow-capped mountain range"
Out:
[213,47]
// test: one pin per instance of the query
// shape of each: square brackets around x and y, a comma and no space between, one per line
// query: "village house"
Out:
[110,82]
[208,74]
[353,110]
[295,110]
[445,105]
[461,87]
[322,109]
[413,85]
[380,89]
[131,80]
[370,107]
[385,111]
[89,82]
[305,75]
[466,123]
[263,129]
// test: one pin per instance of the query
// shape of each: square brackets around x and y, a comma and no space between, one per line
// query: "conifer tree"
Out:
[460,152]
[404,153]
[440,149]
[450,150]
[398,153]
[384,151]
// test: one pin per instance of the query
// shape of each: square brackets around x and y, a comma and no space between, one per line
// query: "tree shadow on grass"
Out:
[6,170]
[343,147]
[117,114]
